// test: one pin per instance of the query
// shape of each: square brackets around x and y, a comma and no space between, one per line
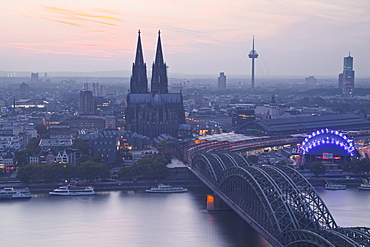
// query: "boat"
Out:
[163,188]
[12,193]
[72,190]
[365,185]
[335,186]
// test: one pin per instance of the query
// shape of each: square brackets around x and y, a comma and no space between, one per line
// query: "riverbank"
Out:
[179,176]
[320,182]
[104,186]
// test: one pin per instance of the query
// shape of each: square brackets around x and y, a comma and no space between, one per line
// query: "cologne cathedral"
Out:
[155,112]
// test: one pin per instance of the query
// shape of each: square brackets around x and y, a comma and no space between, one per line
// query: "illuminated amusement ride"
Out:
[331,147]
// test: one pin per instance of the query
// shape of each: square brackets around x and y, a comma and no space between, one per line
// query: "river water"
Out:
[135,218]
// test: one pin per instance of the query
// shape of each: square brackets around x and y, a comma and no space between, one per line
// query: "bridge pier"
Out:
[215,203]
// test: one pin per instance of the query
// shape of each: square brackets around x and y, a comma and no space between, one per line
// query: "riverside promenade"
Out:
[177,175]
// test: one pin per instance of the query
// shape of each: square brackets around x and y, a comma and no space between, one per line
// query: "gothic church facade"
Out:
[155,112]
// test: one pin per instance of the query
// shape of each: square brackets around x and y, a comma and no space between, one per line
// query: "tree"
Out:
[84,158]
[81,145]
[91,171]
[31,149]
[151,166]
[20,158]
[33,146]
[170,149]
[317,168]
[25,173]
[98,158]
[47,172]
[42,131]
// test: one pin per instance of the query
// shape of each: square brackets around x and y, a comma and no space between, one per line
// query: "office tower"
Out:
[94,89]
[24,89]
[86,102]
[139,80]
[156,112]
[102,91]
[253,54]
[222,81]
[34,77]
[346,80]
[311,80]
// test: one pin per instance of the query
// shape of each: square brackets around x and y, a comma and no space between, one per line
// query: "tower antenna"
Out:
[253,54]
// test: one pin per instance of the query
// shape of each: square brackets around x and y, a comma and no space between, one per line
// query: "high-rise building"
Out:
[156,112]
[311,80]
[86,102]
[222,81]
[34,77]
[253,54]
[24,89]
[346,80]
[86,85]
[95,89]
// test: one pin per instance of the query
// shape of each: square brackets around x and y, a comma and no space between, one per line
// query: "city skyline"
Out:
[204,37]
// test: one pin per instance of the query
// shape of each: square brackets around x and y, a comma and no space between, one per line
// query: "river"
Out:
[134,218]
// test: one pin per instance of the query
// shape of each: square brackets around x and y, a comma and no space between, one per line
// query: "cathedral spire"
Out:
[139,80]
[159,53]
[139,59]
[159,70]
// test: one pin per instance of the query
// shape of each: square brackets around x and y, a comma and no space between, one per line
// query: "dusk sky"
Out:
[293,37]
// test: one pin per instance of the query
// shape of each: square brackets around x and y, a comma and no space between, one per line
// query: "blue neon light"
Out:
[326,136]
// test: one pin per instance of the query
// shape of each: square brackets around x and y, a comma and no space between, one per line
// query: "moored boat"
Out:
[12,193]
[163,188]
[72,190]
[365,185]
[335,186]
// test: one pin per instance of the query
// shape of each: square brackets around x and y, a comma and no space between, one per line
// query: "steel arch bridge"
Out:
[277,201]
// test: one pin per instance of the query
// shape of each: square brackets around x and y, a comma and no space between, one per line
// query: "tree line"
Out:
[356,167]
[149,167]
[57,172]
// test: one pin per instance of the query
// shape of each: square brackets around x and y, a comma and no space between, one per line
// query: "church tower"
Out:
[139,80]
[159,84]
[273,109]
[157,112]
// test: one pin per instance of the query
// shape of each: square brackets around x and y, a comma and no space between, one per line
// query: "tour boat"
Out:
[364,187]
[163,188]
[335,186]
[11,193]
[72,190]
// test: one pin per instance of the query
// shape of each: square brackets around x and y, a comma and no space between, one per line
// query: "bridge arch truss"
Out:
[276,198]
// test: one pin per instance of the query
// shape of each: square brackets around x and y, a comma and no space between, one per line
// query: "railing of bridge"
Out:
[279,198]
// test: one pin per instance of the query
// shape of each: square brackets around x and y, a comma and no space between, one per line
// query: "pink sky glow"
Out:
[303,38]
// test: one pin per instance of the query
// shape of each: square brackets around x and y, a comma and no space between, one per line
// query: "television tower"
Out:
[253,54]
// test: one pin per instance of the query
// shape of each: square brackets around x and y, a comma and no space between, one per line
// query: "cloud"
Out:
[73,14]
[69,48]
[63,22]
